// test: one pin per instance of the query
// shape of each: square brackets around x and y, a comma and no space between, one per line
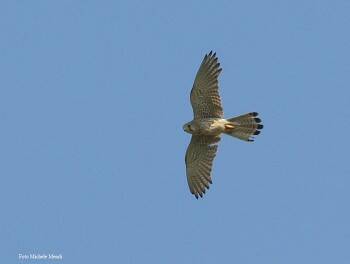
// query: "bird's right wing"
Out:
[199,161]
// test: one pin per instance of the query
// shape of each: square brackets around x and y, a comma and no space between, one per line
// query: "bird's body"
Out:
[206,127]
[208,124]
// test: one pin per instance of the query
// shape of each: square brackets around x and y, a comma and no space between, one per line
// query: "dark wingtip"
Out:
[260,126]
[257,120]
[254,113]
[250,140]
[257,132]
[211,52]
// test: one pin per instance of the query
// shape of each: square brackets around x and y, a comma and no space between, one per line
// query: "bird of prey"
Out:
[209,123]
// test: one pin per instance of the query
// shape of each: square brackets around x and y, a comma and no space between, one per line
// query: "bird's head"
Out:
[188,127]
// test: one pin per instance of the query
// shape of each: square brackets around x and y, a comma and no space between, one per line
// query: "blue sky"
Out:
[93,96]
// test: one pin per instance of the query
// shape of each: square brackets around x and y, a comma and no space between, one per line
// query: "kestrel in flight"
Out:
[208,124]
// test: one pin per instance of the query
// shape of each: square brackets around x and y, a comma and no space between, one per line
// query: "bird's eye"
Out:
[189,127]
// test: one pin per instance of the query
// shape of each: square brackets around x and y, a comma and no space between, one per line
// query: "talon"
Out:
[229,126]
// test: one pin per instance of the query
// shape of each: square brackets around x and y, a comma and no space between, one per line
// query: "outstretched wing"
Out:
[199,160]
[205,98]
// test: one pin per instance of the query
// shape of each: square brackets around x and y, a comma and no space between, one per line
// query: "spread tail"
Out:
[244,126]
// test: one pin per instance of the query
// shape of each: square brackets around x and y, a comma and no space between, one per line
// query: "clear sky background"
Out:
[93,96]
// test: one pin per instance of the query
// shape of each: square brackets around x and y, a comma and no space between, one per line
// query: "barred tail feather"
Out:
[245,126]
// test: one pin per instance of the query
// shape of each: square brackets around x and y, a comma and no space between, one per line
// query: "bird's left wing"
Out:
[199,161]
[205,98]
